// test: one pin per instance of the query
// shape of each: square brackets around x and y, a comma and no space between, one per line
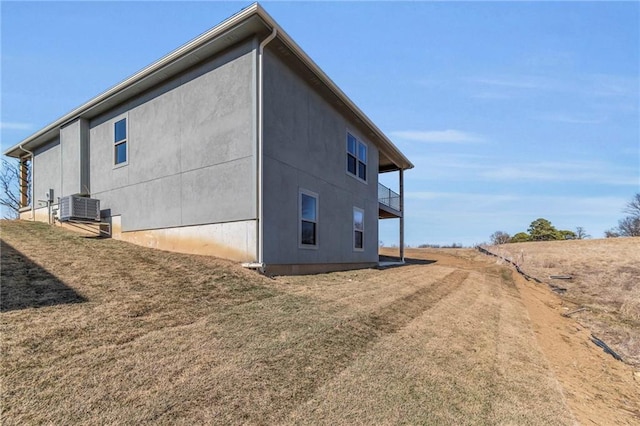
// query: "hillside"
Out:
[97,331]
[604,280]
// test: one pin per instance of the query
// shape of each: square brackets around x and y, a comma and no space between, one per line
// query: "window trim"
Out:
[358,159]
[354,230]
[308,193]
[125,141]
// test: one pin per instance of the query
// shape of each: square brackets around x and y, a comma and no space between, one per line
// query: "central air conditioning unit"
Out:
[76,207]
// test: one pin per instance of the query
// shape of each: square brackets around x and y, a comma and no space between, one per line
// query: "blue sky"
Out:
[510,111]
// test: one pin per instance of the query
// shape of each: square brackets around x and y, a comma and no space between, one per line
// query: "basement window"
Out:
[358,229]
[356,157]
[120,142]
[308,232]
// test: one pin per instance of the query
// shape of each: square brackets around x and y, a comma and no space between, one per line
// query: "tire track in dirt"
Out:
[463,356]
[396,315]
[351,339]
[363,290]
[381,325]
[512,331]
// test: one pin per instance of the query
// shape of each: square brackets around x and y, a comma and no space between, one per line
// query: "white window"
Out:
[358,229]
[120,151]
[356,157]
[308,219]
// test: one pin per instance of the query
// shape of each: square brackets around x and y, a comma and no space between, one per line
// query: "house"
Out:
[235,145]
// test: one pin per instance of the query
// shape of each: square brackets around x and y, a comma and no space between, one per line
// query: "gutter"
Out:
[264,42]
[33,180]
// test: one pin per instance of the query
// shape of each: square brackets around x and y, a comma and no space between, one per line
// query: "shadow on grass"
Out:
[411,261]
[25,284]
[407,260]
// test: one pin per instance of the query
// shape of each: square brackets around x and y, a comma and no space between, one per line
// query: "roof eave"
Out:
[50,131]
[398,157]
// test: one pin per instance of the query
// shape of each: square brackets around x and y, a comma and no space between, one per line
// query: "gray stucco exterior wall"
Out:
[74,144]
[190,148]
[48,173]
[305,148]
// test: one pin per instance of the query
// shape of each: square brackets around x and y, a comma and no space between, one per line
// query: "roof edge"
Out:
[253,9]
[138,76]
[297,50]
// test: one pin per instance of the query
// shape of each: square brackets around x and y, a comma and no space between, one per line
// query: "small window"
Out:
[356,157]
[358,229]
[308,219]
[120,141]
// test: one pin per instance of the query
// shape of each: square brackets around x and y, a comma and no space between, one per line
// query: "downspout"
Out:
[33,180]
[260,149]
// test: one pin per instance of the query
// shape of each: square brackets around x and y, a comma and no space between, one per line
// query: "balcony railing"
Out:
[388,197]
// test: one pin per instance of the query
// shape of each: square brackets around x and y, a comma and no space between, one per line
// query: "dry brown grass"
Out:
[606,280]
[104,332]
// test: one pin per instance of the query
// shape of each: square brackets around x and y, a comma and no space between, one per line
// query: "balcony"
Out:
[388,203]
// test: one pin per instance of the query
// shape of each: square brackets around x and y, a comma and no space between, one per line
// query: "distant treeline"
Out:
[542,230]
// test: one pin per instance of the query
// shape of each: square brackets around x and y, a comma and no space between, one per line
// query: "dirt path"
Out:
[598,389]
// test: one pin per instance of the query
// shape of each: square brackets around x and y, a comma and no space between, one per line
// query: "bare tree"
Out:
[11,179]
[629,226]
[611,233]
[9,198]
[581,233]
[633,206]
[500,237]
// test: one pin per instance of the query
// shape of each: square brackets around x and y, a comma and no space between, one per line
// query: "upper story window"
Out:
[308,219]
[120,142]
[356,157]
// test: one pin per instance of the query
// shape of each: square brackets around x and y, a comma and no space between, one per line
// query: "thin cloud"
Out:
[590,85]
[437,136]
[494,169]
[594,172]
[516,82]
[504,87]
[491,96]
[479,214]
[465,197]
[10,125]
[612,85]
[569,119]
